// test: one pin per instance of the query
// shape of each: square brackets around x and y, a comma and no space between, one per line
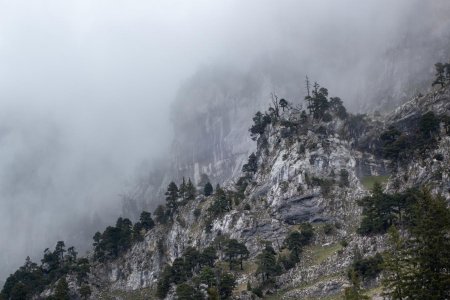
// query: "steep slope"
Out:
[307,169]
[310,172]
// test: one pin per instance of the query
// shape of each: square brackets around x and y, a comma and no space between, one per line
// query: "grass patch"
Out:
[319,253]
[369,181]
[375,291]
[249,267]
[141,294]
[282,293]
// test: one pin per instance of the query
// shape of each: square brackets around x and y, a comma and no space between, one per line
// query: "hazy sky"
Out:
[86,87]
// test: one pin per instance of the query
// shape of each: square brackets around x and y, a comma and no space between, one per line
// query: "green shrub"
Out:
[367,268]
[328,228]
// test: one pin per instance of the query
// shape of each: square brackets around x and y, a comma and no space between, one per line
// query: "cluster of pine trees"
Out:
[197,273]
[271,263]
[115,240]
[177,197]
[319,107]
[442,74]
[417,264]
[421,137]
[31,278]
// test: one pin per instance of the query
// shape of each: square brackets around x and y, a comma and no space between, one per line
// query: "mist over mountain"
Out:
[108,101]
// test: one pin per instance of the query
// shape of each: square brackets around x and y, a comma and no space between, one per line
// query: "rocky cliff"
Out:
[308,171]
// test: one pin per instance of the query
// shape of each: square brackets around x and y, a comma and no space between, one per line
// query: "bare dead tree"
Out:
[276,107]
[307,86]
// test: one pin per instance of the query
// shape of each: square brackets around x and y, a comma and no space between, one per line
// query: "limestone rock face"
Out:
[312,174]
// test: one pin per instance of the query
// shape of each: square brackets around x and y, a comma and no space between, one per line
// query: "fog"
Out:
[86,88]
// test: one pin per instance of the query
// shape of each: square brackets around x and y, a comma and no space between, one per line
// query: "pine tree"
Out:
[207,276]
[208,189]
[267,263]
[447,71]
[97,237]
[208,256]
[354,292]
[431,248]
[260,122]
[192,258]
[226,285]
[146,220]
[164,281]
[85,291]
[377,212]
[395,267]
[429,124]
[236,252]
[172,198]
[186,292]
[190,191]
[161,214]
[252,164]
[283,103]
[296,240]
[59,251]
[417,267]
[62,290]
[221,202]
[19,292]
[137,229]
[122,241]
[179,271]
[318,102]
[440,74]
[294,243]
[71,256]
[182,190]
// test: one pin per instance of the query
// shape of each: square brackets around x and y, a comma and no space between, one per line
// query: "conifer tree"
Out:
[19,292]
[283,103]
[431,248]
[296,240]
[267,263]
[377,211]
[235,252]
[85,291]
[179,271]
[182,190]
[395,266]
[208,256]
[161,214]
[252,164]
[207,276]
[137,229]
[71,254]
[164,281]
[221,202]
[318,103]
[208,189]
[146,220]
[418,267]
[354,292]
[172,198]
[190,191]
[186,292]
[59,251]
[62,290]
[440,74]
[227,284]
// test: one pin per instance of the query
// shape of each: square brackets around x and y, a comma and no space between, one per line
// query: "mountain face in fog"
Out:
[90,86]
[212,112]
